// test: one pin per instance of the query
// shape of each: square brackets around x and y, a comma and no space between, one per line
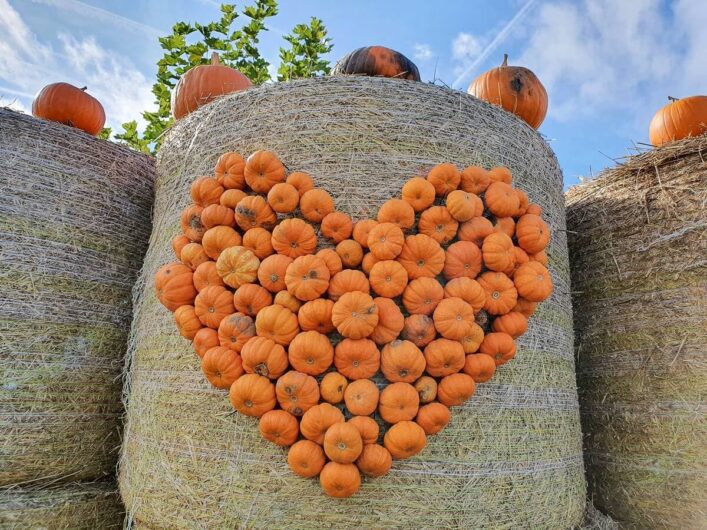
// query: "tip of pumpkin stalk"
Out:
[505,60]
[671,98]
[214,58]
[84,88]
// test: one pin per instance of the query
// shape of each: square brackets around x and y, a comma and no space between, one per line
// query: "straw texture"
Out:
[74,224]
[510,458]
[638,245]
[73,506]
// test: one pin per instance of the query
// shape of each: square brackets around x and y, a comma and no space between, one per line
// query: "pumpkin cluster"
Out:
[352,356]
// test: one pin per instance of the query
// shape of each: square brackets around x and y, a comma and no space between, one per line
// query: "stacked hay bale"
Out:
[638,246]
[510,458]
[74,225]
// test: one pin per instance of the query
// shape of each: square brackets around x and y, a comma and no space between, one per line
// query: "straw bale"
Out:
[638,247]
[511,457]
[74,224]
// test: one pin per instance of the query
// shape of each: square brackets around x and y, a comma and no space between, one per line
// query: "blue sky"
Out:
[607,64]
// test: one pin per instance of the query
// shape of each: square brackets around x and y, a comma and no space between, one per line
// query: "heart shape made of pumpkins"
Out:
[393,326]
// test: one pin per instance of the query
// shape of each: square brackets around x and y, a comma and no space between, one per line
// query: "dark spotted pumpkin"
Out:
[377,61]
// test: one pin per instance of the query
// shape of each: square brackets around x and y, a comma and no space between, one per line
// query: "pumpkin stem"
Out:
[214,58]
[671,98]
[83,88]
[505,60]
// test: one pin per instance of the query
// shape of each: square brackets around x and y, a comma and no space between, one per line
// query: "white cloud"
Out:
[422,52]
[27,64]
[602,55]
[466,46]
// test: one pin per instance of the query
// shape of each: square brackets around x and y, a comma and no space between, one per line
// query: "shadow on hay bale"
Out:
[74,225]
[638,247]
[510,458]
[74,506]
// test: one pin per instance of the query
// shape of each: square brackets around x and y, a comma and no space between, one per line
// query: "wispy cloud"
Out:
[422,52]
[465,72]
[27,64]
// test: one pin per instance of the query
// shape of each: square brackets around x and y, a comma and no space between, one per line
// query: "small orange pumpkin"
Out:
[272,270]
[462,259]
[463,205]
[317,420]
[472,340]
[231,198]
[501,294]
[398,212]
[217,215]
[258,241]
[221,367]
[501,199]
[525,307]
[263,170]
[174,286]
[218,239]
[279,427]
[480,367]
[178,243]
[311,353]
[212,305]
[283,197]
[404,440]
[402,362]
[265,357]
[532,233]
[421,256]
[206,191]
[455,389]
[422,295]
[501,174]
[388,278]
[252,211]
[500,346]
[332,260]
[444,357]
[453,318]
[498,253]
[433,417]
[350,252]
[419,329]
[229,171]
[357,358]
[206,275]
[193,255]
[204,340]
[505,225]
[235,331]
[252,395]
[468,290]
[475,230]
[385,241]
[301,181]
[190,223]
[419,193]
[237,266]
[398,402]
[361,230]
[297,392]
[342,442]
[355,315]
[332,387]
[361,397]
[187,321]
[294,238]
[340,480]
[337,226]
[474,179]
[426,388]
[390,321]
[306,458]
[285,299]
[368,429]
[445,178]
[347,281]
[307,277]
[369,260]
[533,282]
[513,323]
[438,223]
[277,323]
[316,315]
[316,204]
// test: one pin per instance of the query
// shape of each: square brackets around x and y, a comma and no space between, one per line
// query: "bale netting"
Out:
[74,506]
[74,225]
[510,458]
[638,246]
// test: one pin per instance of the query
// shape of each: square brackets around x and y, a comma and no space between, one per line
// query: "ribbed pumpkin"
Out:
[69,105]
[679,119]
[377,61]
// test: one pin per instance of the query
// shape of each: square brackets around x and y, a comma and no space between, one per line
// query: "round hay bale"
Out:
[74,225]
[511,457]
[78,506]
[638,246]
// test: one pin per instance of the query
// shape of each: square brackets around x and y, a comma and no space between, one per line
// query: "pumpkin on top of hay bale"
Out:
[510,457]
[638,248]
[74,225]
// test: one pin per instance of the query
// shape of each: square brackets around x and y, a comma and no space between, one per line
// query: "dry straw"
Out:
[74,224]
[73,506]
[638,245]
[511,457]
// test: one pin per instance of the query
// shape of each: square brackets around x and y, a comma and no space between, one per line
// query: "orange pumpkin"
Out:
[235,331]
[472,340]
[263,170]
[311,353]
[190,223]
[501,294]
[279,427]
[438,223]
[332,260]
[444,357]
[525,307]
[419,329]
[533,282]
[445,178]
[368,429]
[218,239]
[523,202]
[307,277]
[69,105]
[419,193]
[318,419]
[187,321]
[237,266]
[272,270]
[174,286]
[306,458]
[455,389]
[357,358]
[369,260]
[468,290]
[398,402]
[285,299]
[204,83]
[206,191]
[377,61]
[500,346]
[361,397]
[316,315]
[501,199]
[332,387]
[206,275]
[462,259]
[421,256]
[679,119]
[217,215]
[398,212]
[178,243]
[316,204]
[252,395]
[514,88]
[221,367]
[231,198]
[500,174]
[347,281]
[355,315]
[390,321]
[505,225]
[426,388]
[385,241]
[193,255]
[404,440]
[422,295]
[453,318]
[463,205]
[350,252]
[361,230]
[532,233]
[337,226]
[342,442]
[212,305]
[375,460]
[297,392]
[433,417]
[402,362]
[283,197]
[277,323]
[229,171]
[258,241]
[388,278]
[513,323]
[252,211]
[498,253]
[534,209]
[340,480]
[480,367]
[265,357]
[301,181]
[475,230]
[294,238]
[540,257]
[474,179]
[204,340]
